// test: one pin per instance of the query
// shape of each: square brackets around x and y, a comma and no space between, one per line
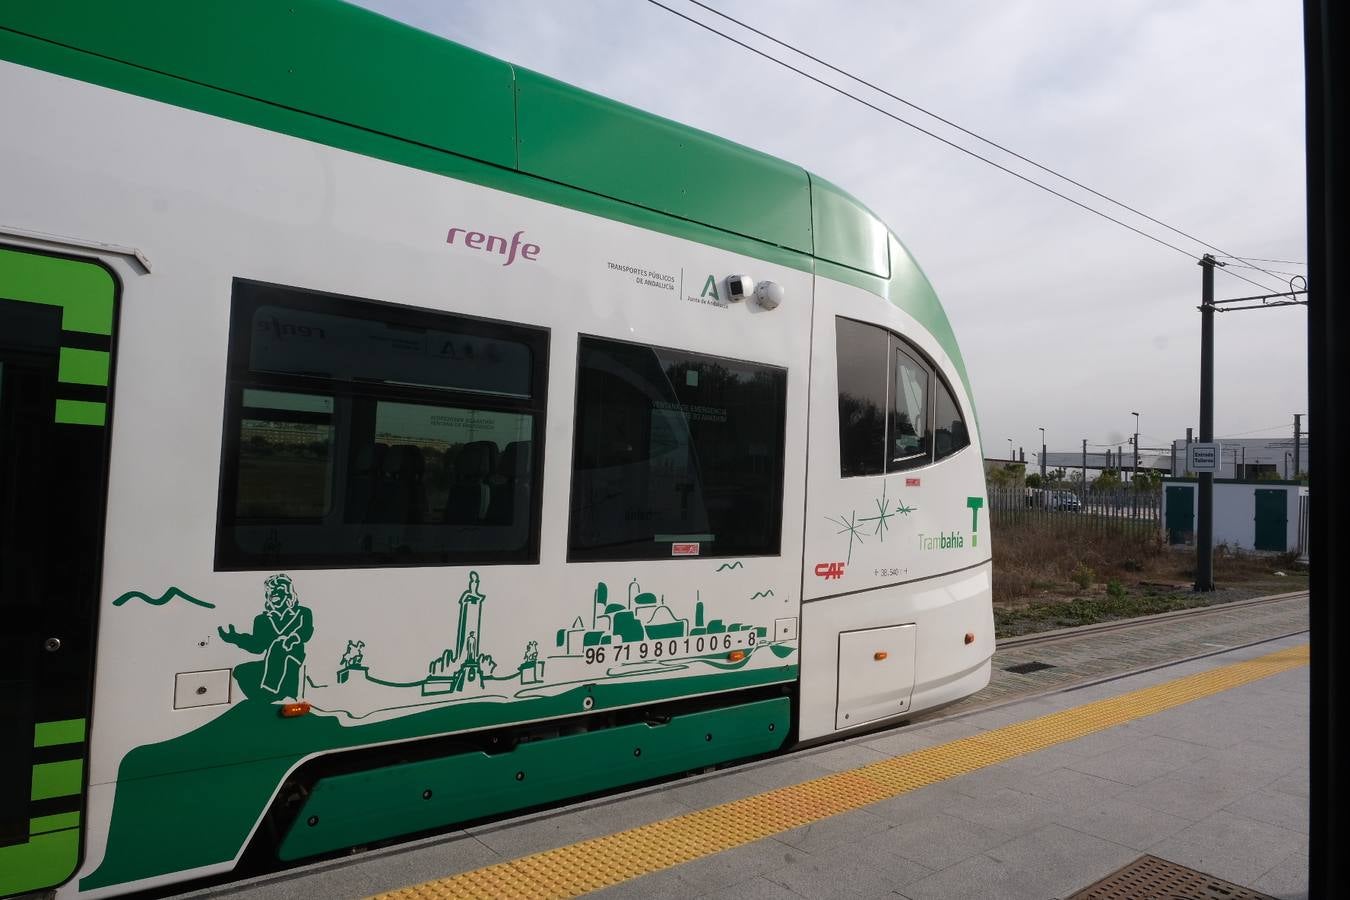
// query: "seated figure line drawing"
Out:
[279,635]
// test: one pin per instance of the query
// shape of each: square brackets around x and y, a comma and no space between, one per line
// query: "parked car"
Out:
[1066,500]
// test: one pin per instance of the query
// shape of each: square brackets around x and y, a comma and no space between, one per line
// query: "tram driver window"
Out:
[366,434]
[907,430]
[949,428]
[676,454]
[861,351]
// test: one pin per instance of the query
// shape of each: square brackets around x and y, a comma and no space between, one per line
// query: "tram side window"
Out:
[676,454]
[285,456]
[366,434]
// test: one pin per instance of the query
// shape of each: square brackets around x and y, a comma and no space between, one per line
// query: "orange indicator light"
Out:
[970,637]
[880,655]
[292,710]
[736,655]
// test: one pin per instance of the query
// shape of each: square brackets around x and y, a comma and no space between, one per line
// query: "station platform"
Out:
[1177,745]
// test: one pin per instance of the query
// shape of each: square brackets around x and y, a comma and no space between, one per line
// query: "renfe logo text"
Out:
[493,243]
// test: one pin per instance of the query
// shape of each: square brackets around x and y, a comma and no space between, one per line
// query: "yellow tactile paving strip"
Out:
[600,862]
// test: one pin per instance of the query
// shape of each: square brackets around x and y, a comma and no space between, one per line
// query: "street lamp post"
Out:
[1042,457]
[1010,451]
[1135,473]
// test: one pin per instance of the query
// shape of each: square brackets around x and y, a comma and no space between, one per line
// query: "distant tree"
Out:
[1147,481]
[1109,479]
[1006,475]
[1034,480]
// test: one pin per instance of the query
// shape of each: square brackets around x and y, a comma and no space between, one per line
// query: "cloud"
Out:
[1190,111]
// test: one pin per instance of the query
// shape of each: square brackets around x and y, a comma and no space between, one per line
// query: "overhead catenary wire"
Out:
[939,138]
[1267,271]
[966,131]
[1287,262]
[1126,440]
[1285,427]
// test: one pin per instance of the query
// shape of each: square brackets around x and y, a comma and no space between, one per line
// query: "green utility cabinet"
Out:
[1272,520]
[1180,521]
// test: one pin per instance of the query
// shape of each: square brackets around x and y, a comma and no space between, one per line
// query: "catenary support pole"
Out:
[1204,532]
[1298,434]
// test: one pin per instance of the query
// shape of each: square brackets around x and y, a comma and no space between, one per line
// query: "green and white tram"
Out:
[392,438]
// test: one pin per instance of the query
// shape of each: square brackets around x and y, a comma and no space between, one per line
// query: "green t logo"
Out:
[974,503]
[710,287]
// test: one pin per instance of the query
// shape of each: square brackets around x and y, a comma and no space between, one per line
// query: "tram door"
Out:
[56,318]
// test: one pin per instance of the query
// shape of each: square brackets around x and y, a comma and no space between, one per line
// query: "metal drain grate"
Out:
[1028,667]
[1151,878]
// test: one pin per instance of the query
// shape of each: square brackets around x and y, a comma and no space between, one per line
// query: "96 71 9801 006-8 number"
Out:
[620,653]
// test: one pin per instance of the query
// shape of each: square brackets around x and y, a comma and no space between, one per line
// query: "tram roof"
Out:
[320,68]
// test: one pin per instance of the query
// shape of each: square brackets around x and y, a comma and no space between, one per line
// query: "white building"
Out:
[1248,515]
[1253,458]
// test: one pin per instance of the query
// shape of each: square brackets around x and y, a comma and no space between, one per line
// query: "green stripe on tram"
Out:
[46,860]
[51,853]
[79,366]
[53,734]
[85,292]
[81,412]
[57,822]
[57,779]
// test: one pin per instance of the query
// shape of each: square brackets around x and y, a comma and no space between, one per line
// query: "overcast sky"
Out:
[1189,111]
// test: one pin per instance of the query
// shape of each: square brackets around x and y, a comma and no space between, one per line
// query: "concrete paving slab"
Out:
[1052,859]
[663,885]
[1008,810]
[878,852]
[918,736]
[1123,822]
[732,867]
[834,876]
[1288,879]
[834,831]
[1141,760]
[1295,783]
[915,805]
[939,840]
[1068,786]
[975,876]
[1231,846]
[533,835]
[759,888]
[848,756]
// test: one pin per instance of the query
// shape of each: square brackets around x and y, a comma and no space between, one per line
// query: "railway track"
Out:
[1065,634]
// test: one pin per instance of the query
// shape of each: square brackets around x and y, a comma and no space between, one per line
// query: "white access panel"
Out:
[201,688]
[876,674]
